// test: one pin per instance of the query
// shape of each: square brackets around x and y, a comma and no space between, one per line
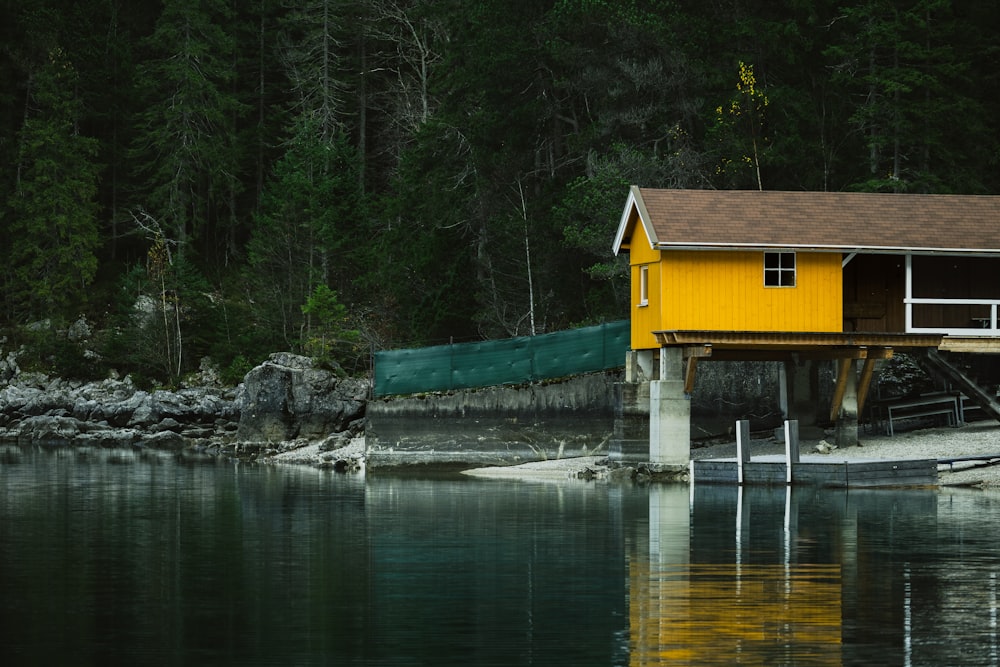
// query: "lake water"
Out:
[126,558]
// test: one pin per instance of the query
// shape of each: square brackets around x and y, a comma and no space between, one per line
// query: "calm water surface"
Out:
[125,558]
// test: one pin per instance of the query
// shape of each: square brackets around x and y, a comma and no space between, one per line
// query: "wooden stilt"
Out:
[690,367]
[845,367]
[867,370]
[691,356]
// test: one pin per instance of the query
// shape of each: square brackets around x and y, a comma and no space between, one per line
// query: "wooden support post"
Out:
[692,354]
[867,371]
[791,448]
[690,366]
[742,447]
[845,367]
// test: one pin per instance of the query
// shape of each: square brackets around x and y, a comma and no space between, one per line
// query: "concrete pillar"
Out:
[639,366]
[846,430]
[630,439]
[669,412]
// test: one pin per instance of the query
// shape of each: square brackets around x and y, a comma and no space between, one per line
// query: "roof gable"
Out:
[843,221]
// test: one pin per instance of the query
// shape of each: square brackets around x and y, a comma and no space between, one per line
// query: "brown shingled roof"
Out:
[837,220]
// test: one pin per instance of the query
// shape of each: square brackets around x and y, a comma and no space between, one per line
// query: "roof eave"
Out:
[635,202]
[887,250]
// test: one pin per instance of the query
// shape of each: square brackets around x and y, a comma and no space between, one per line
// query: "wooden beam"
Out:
[690,366]
[835,353]
[975,345]
[729,354]
[692,353]
[698,350]
[866,379]
[843,369]
[791,340]
[748,355]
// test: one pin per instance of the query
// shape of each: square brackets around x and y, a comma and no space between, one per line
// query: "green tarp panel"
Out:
[511,361]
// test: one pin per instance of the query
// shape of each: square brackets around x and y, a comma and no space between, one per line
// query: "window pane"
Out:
[779,269]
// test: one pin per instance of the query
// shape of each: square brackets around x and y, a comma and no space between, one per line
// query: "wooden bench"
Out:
[925,405]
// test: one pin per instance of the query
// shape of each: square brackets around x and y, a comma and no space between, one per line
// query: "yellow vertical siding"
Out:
[645,319]
[724,290]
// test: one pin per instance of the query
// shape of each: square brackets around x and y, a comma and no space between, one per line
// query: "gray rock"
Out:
[165,440]
[166,424]
[287,398]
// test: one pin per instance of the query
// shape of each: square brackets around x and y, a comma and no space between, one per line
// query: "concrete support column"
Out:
[669,412]
[846,431]
[630,438]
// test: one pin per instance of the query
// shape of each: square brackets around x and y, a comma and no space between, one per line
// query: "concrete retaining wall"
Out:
[584,415]
[493,425]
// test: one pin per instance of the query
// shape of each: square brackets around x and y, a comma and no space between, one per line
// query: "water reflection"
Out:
[698,600]
[126,557]
[807,576]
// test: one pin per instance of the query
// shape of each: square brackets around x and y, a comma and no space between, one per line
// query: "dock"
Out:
[820,470]
[817,470]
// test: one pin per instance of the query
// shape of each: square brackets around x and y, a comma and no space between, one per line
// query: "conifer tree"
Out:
[185,144]
[307,227]
[53,215]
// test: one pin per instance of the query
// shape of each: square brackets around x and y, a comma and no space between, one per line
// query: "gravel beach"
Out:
[974,439]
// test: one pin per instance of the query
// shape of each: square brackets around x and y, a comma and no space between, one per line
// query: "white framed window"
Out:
[644,285]
[779,269]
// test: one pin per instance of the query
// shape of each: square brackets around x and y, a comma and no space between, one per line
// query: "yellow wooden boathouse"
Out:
[762,274]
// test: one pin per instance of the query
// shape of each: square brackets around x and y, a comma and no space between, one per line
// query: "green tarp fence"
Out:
[495,362]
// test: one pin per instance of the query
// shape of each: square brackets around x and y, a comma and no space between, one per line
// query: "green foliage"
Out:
[450,170]
[907,68]
[167,319]
[327,333]
[53,209]
[901,376]
[184,143]
[740,127]
[47,349]
[309,225]
[237,369]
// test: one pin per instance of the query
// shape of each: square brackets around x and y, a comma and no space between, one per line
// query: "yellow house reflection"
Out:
[734,613]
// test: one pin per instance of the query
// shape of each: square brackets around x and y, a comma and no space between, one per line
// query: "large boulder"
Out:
[288,398]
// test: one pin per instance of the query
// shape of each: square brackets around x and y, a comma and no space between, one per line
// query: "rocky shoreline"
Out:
[282,405]
[288,411]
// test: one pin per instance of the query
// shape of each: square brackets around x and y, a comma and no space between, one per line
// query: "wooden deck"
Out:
[845,348]
[824,471]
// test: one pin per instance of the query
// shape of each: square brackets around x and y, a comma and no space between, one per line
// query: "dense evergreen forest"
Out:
[225,179]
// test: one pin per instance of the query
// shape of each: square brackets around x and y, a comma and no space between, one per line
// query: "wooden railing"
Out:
[976,326]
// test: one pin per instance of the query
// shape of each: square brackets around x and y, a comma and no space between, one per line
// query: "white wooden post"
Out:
[742,447]
[791,447]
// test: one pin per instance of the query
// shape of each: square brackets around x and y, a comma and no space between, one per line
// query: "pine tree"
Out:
[307,228]
[185,146]
[53,215]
